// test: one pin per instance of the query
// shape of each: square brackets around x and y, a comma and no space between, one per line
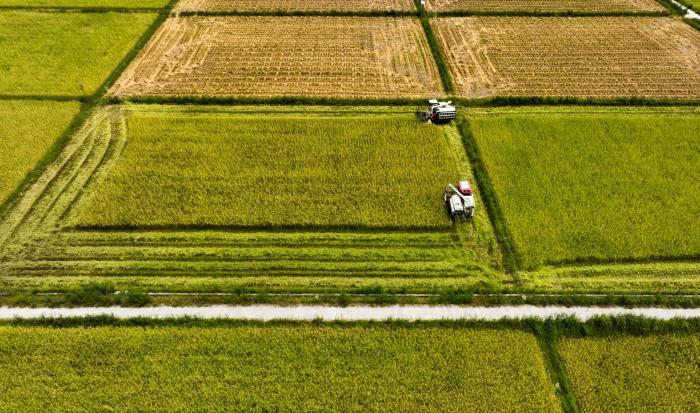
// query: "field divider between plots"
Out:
[512,259]
[70,9]
[548,340]
[295,13]
[570,13]
[435,48]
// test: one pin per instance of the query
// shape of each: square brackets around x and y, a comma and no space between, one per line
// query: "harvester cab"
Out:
[460,201]
[438,112]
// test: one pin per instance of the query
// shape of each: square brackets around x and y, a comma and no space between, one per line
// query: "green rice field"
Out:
[273,368]
[275,171]
[127,4]
[64,53]
[595,187]
[29,129]
[634,374]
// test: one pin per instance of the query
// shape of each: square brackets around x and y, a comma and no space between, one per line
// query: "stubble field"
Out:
[351,57]
[296,5]
[544,5]
[585,57]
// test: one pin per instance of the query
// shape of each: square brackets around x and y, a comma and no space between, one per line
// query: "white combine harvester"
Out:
[438,112]
[460,201]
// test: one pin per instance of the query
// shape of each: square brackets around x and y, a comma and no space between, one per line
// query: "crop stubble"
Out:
[545,5]
[349,57]
[600,57]
[295,5]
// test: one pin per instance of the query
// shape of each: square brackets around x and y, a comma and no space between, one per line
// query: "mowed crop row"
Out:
[587,57]
[595,187]
[273,368]
[634,374]
[351,57]
[544,5]
[296,5]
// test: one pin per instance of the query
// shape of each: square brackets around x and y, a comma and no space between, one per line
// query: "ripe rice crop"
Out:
[129,4]
[596,57]
[296,5]
[544,5]
[634,374]
[275,170]
[296,367]
[595,187]
[352,57]
[64,53]
[29,128]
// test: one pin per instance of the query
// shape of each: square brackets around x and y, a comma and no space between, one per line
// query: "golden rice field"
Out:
[595,57]
[295,5]
[544,5]
[349,57]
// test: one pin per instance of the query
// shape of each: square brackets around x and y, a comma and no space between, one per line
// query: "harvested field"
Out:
[350,57]
[296,5]
[595,57]
[613,186]
[544,5]
[64,53]
[28,131]
[634,374]
[295,367]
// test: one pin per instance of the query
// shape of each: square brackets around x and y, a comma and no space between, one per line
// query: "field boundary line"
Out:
[569,13]
[294,13]
[548,338]
[438,54]
[68,9]
[511,256]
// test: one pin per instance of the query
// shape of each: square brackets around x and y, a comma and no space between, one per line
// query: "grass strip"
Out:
[436,50]
[569,13]
[302,13]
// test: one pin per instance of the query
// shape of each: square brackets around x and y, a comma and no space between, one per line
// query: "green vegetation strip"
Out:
[576,187]
[65,53]
[29,131]
[298,367]
[125,4]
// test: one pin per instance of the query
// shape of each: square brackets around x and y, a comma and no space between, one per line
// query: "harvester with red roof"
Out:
[460,200]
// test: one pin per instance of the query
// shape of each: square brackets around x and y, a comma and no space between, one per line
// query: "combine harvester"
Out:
[438,113]
[460,201]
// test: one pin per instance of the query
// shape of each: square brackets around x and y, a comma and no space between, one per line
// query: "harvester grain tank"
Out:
[460,200]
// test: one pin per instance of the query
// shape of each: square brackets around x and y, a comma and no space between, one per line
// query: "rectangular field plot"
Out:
[586,57]
[296,5]
[64,53]
[634,374]
[29,129]
[350,57]
[275,171]
[127,4]
[610,185]
[296,367]
[544,5]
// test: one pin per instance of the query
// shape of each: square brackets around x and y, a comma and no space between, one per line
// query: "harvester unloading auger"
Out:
[438,113]
[460,201]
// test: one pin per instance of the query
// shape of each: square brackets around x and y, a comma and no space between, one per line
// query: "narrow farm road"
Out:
[330,313]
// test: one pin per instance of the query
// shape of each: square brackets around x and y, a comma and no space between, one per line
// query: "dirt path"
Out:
[328,313]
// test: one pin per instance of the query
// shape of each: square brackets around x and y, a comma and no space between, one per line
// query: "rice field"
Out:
[64,53]
[127,4]
[634,374]
[544,5]
[275,171]
[576,187]
[585,57]
[29,129]
[370,57]
[273,368]
[296,5]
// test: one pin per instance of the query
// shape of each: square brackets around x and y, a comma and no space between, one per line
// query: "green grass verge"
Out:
[297,367]
[275,171]
[30,129]
[125,4]
[577,187]
[633,374]
[64,53]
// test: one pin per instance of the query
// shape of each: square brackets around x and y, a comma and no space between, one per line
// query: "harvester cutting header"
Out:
[438,113]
